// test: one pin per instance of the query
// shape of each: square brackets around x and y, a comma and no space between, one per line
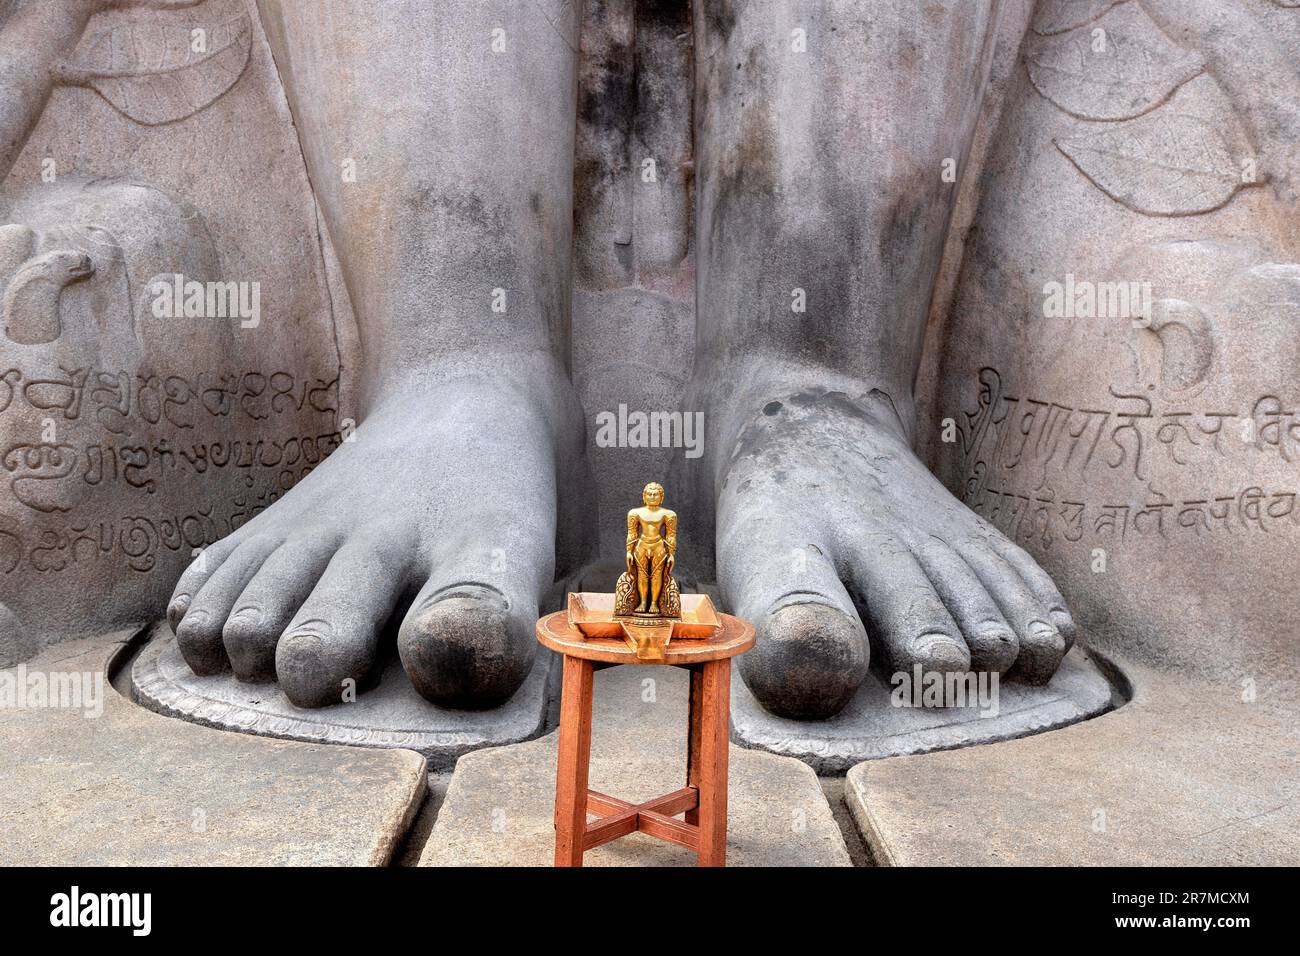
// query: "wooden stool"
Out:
[703,799]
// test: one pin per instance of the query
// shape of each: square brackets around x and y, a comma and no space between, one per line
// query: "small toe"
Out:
[1040,584]
[269,602]
[199,633]
[992,641]
[193,578]
[1041,653]
[1042,645]
[904,611]
[329,647]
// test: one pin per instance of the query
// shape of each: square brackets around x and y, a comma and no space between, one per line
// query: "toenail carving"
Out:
[469,590]
[795,598]
[938,650]
[1044,631]
[308,637]
[195,619]
[247,616]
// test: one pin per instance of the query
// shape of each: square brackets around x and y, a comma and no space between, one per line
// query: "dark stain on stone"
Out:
[608,103]
[771,408]
[719,17]
[899,239]
[675,13]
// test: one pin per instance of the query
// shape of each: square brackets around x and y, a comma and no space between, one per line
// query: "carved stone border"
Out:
[152,688]
[1078,692]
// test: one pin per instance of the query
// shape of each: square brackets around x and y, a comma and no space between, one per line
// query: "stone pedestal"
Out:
[390,714]
[870,727]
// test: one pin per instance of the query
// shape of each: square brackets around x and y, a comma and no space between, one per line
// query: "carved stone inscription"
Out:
[1045,471]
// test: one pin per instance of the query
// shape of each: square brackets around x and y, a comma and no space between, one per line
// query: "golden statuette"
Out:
[646,608]
[647,588]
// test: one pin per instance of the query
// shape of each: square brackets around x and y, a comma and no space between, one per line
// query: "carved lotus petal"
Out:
[1122,68]
[1166,164]
[153,74]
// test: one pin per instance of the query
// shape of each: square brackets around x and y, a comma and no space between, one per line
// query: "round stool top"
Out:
[735,637]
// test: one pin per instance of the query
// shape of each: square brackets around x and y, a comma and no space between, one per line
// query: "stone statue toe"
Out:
[468,647]
[808,660]
[884,557]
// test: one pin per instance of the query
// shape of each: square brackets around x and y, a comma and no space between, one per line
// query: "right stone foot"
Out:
[825,510]
[449,496]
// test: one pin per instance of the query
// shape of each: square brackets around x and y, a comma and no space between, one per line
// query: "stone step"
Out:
[500,802]
[109,783]
[1185,773]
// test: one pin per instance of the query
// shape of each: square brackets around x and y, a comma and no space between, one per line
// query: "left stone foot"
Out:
[447,497]
[824,509]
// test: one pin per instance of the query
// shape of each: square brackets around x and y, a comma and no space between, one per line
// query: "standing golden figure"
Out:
[647,588]
[646,608]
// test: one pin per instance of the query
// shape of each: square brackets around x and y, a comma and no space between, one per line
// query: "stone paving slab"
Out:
[869,728]
[391,714]
[499,806]
[127,786]
[1186,773]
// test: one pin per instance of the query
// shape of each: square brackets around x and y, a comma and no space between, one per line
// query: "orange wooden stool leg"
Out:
[694,712]
[575,754]
[710,768]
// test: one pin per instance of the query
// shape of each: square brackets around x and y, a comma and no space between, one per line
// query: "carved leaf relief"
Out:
[1058,16]
[1122,68]
[1167,164]
[152,72]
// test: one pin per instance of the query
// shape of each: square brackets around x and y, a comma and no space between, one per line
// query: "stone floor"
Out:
[113,783]
[129,786]
[1184,772]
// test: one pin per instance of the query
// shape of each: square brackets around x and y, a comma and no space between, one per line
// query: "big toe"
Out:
[467,647]
[774,569]
[807,662]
